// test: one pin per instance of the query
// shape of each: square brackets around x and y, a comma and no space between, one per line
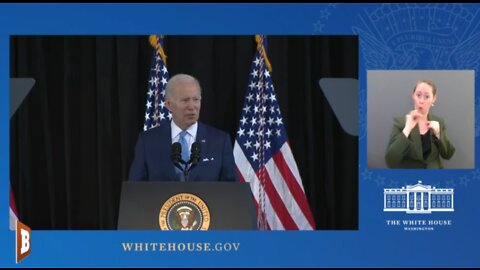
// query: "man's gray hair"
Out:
[180,78]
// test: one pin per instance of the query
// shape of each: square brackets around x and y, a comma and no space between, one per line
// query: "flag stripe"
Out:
[302,199]
[289,216]
[277,199]
[247,174]
[291,206]
[287,153]
[282,187]
[293,186]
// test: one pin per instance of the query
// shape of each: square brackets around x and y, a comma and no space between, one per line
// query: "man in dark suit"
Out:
[152,159]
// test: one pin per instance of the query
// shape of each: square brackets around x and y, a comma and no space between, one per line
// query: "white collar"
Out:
[192,130]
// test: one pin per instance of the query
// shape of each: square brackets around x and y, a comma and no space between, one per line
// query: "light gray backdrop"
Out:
[389,94]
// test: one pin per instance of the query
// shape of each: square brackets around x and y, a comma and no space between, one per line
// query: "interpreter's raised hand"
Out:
[435,126]
[411,120]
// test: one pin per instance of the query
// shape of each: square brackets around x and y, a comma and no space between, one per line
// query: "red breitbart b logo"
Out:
[22,242]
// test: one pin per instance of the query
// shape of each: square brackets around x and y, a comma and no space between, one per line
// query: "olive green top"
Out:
[407,153]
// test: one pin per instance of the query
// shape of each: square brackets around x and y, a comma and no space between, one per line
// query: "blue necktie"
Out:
[185,153]
[185,148]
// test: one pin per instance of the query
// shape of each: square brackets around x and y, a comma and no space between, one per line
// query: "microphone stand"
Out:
[186,173]
[185,168]
[194,159]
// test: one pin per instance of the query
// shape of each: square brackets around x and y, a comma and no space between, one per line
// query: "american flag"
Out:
[156,113]
[263,156]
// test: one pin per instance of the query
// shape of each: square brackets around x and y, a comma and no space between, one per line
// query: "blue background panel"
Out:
[392,37]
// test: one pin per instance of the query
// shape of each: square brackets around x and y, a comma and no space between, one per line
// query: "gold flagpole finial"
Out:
[155,42]
[259,39]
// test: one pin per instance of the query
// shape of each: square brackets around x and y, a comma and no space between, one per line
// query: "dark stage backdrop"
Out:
[72,140]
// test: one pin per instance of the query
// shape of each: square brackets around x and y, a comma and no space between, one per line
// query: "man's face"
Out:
[184,102]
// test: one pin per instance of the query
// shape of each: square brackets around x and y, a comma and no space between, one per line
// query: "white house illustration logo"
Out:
[418,199]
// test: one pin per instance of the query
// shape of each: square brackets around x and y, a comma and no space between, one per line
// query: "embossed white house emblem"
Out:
[418,199]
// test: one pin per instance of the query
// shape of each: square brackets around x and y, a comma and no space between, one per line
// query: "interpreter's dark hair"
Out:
[429,82]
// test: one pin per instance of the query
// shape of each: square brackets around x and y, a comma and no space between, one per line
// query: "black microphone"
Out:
[176,155]
[194,155]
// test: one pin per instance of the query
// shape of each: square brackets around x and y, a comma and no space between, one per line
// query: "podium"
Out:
[156,205]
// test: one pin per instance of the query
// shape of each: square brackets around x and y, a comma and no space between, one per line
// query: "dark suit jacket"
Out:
[407,153]
[152,156]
